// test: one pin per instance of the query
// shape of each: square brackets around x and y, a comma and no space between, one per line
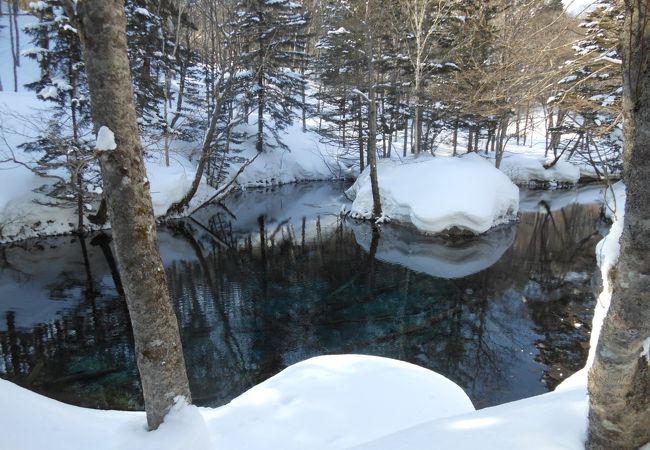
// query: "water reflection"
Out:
[276,277]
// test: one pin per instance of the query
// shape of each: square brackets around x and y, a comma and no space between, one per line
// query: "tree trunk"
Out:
[360,135]
[157,341]
[503,131]
[372,122]
[17,31]
[13,52]
[406,136]
[619,380]
[260,111]
[455,138]
[372,153]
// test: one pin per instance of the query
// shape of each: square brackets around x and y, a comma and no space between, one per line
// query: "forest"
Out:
[324,223]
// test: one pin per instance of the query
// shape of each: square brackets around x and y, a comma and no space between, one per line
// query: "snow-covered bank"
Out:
[26,212]
[439,194]
[525,169]
[306,159]
[330,402]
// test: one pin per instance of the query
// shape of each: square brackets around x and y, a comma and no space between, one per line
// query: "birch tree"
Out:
[619,380]
[102,28]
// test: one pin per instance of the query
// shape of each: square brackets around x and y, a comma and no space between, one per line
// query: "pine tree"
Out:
[65,141]
[592,88]
[274,37]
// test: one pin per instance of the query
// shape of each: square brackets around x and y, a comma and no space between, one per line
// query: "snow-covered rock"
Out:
[438,194]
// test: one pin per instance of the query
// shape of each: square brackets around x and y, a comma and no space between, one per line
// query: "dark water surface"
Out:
[278,277]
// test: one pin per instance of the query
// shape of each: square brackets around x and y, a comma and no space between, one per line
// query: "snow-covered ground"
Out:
[438,194]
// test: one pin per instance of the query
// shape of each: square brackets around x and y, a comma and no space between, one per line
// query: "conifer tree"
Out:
[64,143]
[273,33]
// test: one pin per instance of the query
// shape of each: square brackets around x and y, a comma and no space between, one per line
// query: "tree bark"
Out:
[619,380]
[372,123]
[159,353]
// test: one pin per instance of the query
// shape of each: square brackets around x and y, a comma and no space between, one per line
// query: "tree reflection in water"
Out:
[504,315]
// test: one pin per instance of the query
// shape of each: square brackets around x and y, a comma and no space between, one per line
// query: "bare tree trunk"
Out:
[455,138]
[304,102]
[406,136]
[619,380]
[12,44]
[360,135]
[526,120]
[503,131]
[157,341]
[17,31]
[260,111]
[372,121]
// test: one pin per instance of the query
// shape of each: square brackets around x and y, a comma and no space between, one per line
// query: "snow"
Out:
[105,139]
[522,169]
[327,402]
[645,353]
[579,8]
[307,160]
[49,92]
[332,402]
[419,193]
[607,253]
[169,184]
[551,421]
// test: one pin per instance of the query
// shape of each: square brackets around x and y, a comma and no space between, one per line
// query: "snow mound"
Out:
[523,169]
[328,402]
[335,402]
[437,194]
[556,420]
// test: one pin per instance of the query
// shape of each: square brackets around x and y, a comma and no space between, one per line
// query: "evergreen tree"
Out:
[274,38]
[592,88]
[65,142]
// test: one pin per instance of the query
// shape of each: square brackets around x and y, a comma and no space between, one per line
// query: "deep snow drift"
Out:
[438,194]
[329,402]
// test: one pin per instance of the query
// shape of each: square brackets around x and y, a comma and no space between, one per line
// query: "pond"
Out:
[273,277]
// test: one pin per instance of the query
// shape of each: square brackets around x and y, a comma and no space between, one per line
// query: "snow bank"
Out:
[169,184]
[26,213]
[523,169]
[556,420]
[334,402]
[328,402]
[437,194]
[306,160]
